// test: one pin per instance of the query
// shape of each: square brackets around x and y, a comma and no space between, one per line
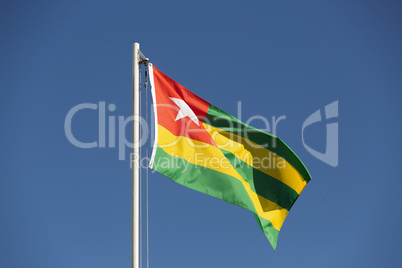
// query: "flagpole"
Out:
[135,210]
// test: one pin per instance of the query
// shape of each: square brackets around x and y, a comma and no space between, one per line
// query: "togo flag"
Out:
[201,147]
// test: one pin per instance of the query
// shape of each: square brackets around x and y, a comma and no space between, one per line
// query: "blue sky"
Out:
[63,206]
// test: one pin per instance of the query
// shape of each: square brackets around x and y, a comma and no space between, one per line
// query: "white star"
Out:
[184,111]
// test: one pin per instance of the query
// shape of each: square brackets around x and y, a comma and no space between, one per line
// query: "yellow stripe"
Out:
[202,154]
[258,157]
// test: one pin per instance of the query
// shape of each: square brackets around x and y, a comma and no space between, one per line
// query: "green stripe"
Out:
[270,232]
[263,184]
[219,119]
[211,182]
[202,179]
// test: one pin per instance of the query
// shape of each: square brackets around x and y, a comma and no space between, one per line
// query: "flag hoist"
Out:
[138,59]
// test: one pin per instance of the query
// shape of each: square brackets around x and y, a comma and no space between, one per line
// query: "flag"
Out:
[201,147]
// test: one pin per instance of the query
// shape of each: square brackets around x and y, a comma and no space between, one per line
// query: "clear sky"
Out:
[64,206]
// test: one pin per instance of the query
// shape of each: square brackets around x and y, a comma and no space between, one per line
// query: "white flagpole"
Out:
[135,210]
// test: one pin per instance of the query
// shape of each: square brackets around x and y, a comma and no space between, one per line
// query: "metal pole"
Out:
[135,210]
